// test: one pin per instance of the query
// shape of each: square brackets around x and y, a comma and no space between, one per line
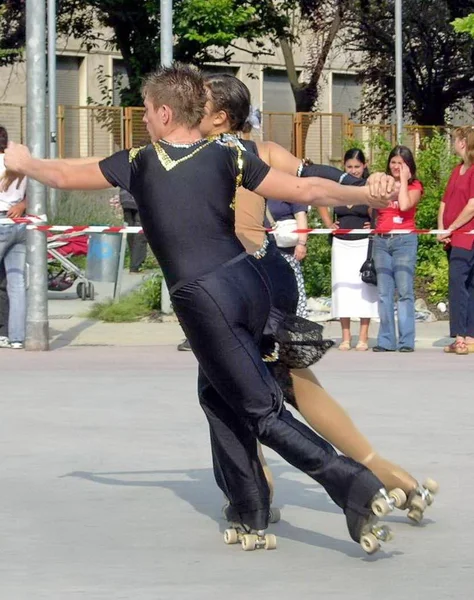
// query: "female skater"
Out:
[227,112]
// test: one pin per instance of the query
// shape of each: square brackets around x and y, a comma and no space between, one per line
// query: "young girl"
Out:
[13,252]
[456,214]
[351,297]
[395,256]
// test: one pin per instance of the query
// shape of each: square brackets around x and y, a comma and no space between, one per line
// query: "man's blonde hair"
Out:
[181,87]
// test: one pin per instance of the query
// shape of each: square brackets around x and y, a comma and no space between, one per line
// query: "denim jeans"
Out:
[13,253]
[461,292]
[395,260]
[3,302]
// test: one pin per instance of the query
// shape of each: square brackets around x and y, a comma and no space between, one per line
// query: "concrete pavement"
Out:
[108,492]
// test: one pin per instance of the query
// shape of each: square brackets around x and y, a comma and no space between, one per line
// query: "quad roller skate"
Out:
[363,523]
[417,500]
[249,538]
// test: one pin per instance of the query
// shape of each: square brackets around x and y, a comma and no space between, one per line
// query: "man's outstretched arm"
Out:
[57,174]
[317,192]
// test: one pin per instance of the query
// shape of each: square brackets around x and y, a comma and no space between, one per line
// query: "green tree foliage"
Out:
[438,64]
[206,31]
[464,25]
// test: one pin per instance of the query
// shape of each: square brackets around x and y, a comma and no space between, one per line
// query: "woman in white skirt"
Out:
[351,298]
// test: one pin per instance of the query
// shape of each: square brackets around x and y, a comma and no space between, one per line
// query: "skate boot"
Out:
[418,499]
[274,514]
[366,503]
[250,538]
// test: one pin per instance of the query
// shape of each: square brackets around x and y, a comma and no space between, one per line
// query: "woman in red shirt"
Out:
[395,256]
[456,214]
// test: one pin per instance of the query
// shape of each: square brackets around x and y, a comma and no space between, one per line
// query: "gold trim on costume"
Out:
[169,163]
[133,152]
[240,173]
[273,356]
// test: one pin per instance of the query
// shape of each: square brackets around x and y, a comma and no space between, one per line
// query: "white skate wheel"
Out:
[249,542]
[270,541]
[398,496]
[441,306]
[274,515]
[431,485]
[381,507]
[369,543]
[231,536]
[415,515]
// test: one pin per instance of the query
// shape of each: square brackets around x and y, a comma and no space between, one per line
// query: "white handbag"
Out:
[283,231]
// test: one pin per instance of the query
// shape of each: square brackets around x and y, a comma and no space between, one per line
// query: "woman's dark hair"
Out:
[3,139]
[407,156]
[357,154]
[230,95]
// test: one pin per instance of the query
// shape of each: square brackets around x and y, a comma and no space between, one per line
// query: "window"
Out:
[119,80]
[346,95]
[277,93]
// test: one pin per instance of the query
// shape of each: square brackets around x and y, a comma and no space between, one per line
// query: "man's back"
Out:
[185,196]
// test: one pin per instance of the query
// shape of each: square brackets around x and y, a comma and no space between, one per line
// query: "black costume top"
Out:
[185,197]
[354,217]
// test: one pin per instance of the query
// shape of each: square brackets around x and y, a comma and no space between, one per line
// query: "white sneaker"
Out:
[16,345]
[4,342]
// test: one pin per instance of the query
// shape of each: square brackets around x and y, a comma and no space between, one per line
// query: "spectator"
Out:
[137,243]
[3,305]
[351,297]
[456,214]
[395,256]
[13,250]
[294,254]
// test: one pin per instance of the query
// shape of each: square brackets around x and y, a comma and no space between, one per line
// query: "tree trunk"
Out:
[431,113]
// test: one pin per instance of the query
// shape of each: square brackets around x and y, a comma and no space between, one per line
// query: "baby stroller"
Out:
[62,272]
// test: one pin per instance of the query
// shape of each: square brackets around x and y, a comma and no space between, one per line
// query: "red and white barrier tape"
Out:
[380,231]
[40,224]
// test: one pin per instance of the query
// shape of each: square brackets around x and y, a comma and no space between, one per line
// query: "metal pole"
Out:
[121,262]
[166,53]
[166,32]
[52,96]
[37,335]
[399,68]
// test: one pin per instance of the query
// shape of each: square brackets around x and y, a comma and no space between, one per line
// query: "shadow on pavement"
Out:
[61,339]
[197,487]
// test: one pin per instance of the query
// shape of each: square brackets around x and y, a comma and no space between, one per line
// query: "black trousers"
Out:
[223,315]
[4,305]
[461,292]
[137,243]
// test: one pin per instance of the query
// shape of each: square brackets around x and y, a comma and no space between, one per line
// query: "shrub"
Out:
[435,162]
[317,264]
[139,304]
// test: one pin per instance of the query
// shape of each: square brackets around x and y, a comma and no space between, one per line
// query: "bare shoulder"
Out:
[264,150]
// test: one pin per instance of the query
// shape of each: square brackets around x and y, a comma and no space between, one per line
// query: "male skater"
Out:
[184,187]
